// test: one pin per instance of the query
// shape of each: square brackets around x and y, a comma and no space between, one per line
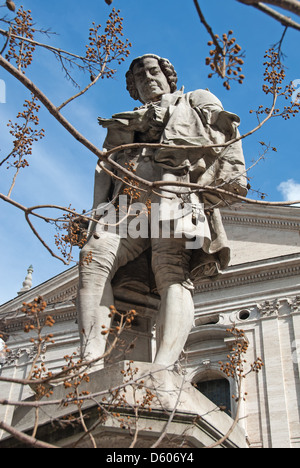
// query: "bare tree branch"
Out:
[172,414]
[50,107]
[26,439]
[83,91]
[207,26]
[55,50]
[291,5]
[234,424]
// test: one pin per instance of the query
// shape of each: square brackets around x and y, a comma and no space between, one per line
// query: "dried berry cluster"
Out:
[87,258]
[24,135]
[257,365]
[132,189]
[37,320]
[73,233]
[226,59]
[274,73]
[74,379]
[20,50]
[236,367]
[274,77]
[141,395]
[106,48]
[122,320]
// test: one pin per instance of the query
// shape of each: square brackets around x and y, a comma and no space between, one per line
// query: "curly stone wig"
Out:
[166,67]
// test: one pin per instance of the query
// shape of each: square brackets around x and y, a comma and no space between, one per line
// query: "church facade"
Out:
[259,293]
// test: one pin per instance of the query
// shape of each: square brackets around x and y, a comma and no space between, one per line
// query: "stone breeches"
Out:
[103,255]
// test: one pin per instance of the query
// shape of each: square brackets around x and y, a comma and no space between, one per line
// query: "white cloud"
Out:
[290,190]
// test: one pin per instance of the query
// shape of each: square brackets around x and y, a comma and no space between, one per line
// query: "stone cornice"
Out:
[60,288]
[268,217]
[15,321]
[255,272]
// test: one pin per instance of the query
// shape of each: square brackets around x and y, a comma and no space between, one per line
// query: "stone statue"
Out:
[171,117]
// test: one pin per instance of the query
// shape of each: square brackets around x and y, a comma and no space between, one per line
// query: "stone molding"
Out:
[64,309]
[278,267]
[280,307]
[57,289]
[268,217]
[15,321]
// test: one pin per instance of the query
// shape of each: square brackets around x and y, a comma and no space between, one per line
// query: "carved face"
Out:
[150,81]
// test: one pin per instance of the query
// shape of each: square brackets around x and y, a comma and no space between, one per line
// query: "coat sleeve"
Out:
[226,168]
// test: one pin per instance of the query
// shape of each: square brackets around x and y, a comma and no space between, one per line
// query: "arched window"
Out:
[217,390]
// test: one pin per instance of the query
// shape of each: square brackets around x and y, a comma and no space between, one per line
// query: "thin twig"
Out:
[46,46]
[24,438]
[234,424]
[208,27]
[164,432]
[35,404]
[83,421]
[80,93]
[7,40]
[136,432]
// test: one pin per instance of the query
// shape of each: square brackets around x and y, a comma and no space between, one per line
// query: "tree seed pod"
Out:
[10,5]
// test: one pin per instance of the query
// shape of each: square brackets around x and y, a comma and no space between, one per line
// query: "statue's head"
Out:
[149,77]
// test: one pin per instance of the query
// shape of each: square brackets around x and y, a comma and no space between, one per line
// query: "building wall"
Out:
[259,293]
[270,414]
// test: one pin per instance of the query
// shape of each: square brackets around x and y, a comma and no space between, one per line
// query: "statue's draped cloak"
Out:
[196,119]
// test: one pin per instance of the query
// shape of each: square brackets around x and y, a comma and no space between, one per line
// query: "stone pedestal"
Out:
[131,400]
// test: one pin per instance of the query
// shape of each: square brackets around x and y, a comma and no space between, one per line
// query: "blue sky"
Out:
[61,171]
